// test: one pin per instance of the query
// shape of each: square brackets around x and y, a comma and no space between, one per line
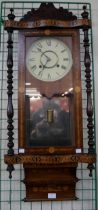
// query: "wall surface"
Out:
[60,205]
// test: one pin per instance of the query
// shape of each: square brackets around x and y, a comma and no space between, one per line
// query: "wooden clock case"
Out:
[50,171]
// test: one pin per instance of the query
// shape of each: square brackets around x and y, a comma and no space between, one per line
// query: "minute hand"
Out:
[44,66]
[43,53]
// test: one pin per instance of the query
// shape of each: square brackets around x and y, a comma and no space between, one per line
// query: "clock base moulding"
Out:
[50,177]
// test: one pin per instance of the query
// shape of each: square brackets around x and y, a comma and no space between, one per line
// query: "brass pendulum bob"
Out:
[50,115]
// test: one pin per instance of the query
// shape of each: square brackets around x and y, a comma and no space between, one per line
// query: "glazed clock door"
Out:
[51,83]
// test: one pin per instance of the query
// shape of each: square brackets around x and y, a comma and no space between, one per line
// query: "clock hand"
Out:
[44,65]
[43,53]
[40,72]
[48,60]
[53,59]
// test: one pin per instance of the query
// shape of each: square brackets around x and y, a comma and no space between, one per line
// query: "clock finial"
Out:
[11,16]
[85,13]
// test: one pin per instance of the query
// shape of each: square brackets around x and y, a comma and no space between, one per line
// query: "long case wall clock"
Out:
[50,125]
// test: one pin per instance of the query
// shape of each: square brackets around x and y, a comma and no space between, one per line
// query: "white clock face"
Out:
[49,59]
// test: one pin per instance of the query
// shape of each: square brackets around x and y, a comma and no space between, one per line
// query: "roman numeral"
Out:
[49,76]
[31,59]
[63,67]
[63,50]
[34,51]
[33,68]
[39,45]
[65,59]
[40,73]
[48,41]
[57,45]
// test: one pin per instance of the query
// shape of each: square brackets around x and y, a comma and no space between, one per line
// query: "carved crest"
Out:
[48,11]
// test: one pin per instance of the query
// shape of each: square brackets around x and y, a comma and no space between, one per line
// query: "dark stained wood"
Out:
[49,11]
[20,25]
[40,182]
[21,91]
[10,111]
[87,63]
[42,17]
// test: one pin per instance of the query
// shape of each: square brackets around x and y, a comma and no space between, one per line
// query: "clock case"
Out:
[69,86]
[50,171]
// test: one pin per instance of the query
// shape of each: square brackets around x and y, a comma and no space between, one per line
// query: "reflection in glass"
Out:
[41,129]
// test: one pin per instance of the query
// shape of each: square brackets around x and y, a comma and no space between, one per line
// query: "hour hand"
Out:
[47,60]
[43,54]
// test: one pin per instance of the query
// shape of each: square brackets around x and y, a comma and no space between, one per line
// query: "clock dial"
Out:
[49,59]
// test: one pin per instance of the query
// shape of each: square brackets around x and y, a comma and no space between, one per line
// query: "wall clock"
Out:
[50,141]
